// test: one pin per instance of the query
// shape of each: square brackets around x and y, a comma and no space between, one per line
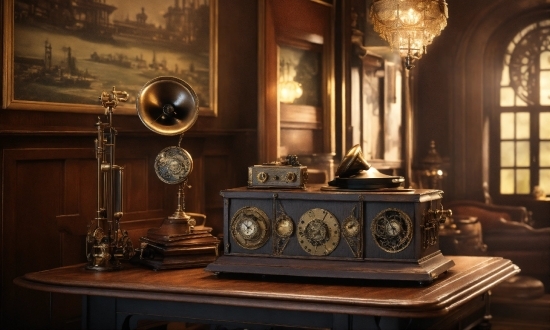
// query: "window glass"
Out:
[520,102]
[545,60]
[524,85]
[507,154]
[544,153]
[506,182]
[507,96]
[544,125]
[507,125]
[522,125]
[544,180]
[523,182]
[505,78]
[522,153]
[545,88]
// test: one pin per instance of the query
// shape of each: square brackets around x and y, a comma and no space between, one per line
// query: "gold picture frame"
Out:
[61,59]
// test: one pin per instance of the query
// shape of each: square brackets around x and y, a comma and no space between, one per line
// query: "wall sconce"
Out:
[289,90]
[409,26]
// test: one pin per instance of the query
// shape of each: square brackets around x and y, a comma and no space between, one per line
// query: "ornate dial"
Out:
[318,232]
[392,230]
[250,227]
[351,226]
[173,165]
[284,227]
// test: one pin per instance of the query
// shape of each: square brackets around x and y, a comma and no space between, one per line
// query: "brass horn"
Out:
[353,163]
[355,172]
[167,105]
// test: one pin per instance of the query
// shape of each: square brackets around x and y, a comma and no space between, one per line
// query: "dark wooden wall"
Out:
[49,175]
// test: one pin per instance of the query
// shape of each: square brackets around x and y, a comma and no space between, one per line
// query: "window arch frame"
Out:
[494,60]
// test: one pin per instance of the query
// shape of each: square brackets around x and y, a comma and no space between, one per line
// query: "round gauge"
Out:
[318,232]
[250,227]
[392,230]
[351,227]
[284,227]
[173,165]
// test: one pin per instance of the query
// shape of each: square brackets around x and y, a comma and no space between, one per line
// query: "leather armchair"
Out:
[507,233]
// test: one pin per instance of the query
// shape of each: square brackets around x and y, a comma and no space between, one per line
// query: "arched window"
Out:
[522,122]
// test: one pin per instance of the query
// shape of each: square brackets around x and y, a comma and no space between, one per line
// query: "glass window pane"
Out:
[512,45]
[545,60]
[544,180]
[507,125]
[506,182]
[505,78]
[522,153]
[523,183]
[544,153]
[520,102]
[507,96]
[522,125]
[545,87]
[544,123]
[507,154]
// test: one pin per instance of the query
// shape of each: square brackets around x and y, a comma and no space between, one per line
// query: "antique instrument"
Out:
[169,106]
[106,243]
[356,173]
[280,174]
[371,229]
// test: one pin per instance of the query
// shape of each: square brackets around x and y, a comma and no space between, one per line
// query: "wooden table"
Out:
[119,299]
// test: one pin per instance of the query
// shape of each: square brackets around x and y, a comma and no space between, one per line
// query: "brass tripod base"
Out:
[103,261]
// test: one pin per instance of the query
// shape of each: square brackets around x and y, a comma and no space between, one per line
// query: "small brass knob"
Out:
[290,177]
[262,177]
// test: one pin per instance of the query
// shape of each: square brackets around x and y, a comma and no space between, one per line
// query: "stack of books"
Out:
[177,245]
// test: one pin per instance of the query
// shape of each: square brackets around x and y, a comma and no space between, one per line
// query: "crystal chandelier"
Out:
[289,90]
[409,26]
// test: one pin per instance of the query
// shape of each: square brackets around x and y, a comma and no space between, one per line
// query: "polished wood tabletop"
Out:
[469,278]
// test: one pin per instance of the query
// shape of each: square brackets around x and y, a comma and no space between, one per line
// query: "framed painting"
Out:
[61,55]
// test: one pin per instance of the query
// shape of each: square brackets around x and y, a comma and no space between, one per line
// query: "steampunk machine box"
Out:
[335,232]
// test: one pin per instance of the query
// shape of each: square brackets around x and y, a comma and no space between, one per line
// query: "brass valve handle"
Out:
[440,215]
[111,99]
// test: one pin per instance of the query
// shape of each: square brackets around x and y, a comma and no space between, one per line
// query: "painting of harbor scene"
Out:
[71,51]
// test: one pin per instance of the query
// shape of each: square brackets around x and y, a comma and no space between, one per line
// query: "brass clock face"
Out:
[284,227]
[250,227]
[318,232]
[392,230]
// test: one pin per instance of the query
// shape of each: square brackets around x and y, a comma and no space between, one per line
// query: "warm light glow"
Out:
[411,17]
[289,91]
[409,26]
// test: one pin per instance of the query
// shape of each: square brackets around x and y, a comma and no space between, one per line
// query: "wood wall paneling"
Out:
[49,173]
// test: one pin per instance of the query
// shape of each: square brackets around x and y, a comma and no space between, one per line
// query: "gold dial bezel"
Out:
[318,232]
[261,223]
[392,230]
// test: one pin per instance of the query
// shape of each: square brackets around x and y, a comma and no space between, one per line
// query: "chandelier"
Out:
[409,26]
[289,90]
